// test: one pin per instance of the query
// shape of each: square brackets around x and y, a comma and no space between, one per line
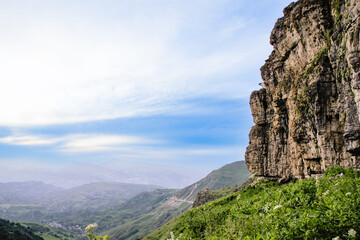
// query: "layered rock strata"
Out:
[307,114]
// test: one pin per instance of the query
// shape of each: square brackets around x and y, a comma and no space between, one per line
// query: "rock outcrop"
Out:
[307,114]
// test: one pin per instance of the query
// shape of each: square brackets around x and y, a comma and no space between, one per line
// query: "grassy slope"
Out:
[50,233]
[147,222]
[129,211]
[308,209]
[226,176]
[14,231]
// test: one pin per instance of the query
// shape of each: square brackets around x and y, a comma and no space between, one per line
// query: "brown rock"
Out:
[307,114]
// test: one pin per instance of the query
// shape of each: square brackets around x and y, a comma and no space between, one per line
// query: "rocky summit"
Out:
[307,113]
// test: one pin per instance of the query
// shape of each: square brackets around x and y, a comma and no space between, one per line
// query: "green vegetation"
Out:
[315,62]
[328,37]
[14,231]
[337,7]
[51,233]
[154,209]
[224,191]
[326,208]
[148,222]
[106,204]
[19,201]
[91,235]
[229,175]
[94,196]
[303,104]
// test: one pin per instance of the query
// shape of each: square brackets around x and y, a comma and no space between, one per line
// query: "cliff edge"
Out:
[307,114]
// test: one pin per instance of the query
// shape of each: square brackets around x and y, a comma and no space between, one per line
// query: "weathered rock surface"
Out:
[307,114]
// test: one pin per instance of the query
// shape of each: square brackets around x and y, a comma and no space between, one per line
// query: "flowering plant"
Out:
[91,235]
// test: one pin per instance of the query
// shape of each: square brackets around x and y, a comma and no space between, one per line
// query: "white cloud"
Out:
[95,143]
[62,66]
[79,142]
[28,140]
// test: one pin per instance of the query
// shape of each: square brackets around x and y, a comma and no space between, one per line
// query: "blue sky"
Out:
[130,85]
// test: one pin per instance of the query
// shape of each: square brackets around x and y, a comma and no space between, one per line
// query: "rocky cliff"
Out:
[307,113]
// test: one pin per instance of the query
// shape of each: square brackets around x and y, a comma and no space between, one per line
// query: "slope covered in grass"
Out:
[51,233]
[229,175]
[310,209]
[167,207]
[14,231]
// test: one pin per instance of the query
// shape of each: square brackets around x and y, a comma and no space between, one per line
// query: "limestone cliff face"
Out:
[307,114]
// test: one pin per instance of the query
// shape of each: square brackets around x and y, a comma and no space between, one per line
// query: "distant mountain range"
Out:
[90,196]
[79,174]
[94,196]
[25,192]
[122,210]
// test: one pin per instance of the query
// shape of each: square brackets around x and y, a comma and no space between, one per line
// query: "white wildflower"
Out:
[266,208]
[326,193]
[340,175]
[91,227]
[348,194]
[172,236]
[277,207]
[336,238]
[352,233]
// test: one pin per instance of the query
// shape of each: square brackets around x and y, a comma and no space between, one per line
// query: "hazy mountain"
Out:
[25,192]
[125,211]
[79,174]
[75,175]
[94,196]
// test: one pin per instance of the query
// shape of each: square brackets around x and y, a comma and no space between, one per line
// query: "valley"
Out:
[124,211]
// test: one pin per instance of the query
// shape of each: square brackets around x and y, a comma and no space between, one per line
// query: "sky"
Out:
[143,91]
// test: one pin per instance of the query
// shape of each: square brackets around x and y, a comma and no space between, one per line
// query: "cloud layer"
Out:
[86,61]
[78,142]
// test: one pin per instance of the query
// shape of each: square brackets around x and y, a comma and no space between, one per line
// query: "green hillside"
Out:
[326,208]
[175,204]
[14,231]
[94,196]
[58,205]
[50,233]
[108,206]
[229,175]
[120,215]
[147,222]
